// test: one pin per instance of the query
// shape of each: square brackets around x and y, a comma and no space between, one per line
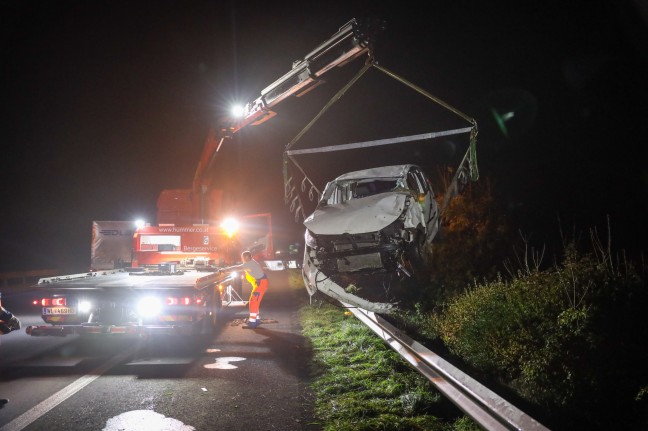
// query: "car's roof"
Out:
[392,171]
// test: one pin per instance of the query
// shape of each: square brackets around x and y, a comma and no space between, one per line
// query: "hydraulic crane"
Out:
[352,40]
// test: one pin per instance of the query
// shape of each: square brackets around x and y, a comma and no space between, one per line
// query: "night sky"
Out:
[106,103]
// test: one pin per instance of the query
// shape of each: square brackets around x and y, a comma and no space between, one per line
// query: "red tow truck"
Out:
[171,286]
[126,302]
[167,281]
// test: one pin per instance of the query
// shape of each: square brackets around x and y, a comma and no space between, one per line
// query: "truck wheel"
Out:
[210,323]
[216,310]
[213,314]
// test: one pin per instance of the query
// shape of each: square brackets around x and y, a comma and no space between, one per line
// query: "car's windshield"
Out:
[342,191]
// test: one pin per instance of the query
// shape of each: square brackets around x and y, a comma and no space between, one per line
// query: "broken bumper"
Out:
[316,281]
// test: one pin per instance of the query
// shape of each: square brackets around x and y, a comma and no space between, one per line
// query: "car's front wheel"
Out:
[415,253]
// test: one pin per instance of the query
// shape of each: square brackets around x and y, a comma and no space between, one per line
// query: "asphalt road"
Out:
[237,379]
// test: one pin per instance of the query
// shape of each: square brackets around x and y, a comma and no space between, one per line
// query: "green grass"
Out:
[360,383]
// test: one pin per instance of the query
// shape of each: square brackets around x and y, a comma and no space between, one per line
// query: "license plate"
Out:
[58,310]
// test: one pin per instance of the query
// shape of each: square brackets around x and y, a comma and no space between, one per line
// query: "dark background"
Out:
[106,103]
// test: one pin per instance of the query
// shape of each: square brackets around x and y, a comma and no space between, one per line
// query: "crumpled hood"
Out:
[369,214]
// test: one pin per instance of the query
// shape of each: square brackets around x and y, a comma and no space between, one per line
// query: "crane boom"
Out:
[352,40]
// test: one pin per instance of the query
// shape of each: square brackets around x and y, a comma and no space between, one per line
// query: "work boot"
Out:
[251,325]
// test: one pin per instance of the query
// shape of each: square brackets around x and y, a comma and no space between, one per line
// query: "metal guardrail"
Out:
[485,407]
[25,278]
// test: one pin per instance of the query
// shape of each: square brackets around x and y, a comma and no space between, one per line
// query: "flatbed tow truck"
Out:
[173,286]
[134,302]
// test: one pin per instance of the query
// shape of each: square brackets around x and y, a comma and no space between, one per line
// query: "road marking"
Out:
[223,363]
[24,420]
[145,419]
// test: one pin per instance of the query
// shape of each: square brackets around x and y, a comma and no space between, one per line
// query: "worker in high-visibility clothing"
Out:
[257,277]
[8,323]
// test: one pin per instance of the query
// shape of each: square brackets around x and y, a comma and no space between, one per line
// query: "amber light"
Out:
[52,302]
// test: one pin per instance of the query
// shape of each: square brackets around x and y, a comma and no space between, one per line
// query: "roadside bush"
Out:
[570,339]
[474,240]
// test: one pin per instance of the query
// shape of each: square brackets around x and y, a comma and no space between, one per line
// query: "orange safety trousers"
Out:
[258,290]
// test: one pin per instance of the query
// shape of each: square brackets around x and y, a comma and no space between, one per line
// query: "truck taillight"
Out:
[51,302]
[185,300]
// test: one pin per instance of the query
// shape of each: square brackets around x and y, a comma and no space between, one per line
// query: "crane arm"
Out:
[352,40]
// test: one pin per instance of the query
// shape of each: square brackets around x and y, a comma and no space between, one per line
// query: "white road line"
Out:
[24,420]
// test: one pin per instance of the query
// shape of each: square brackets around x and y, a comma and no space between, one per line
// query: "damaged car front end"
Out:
[369,222]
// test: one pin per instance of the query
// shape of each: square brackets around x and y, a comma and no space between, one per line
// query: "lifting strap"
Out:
[467,169]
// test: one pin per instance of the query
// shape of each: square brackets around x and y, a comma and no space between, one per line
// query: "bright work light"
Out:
[85,307]
[238,111]
[149,306]
[230,226]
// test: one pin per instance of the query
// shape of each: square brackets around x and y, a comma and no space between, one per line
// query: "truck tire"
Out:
[210,322]
[213,314]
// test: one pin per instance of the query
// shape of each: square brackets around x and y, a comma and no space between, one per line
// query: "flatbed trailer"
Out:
[134,302]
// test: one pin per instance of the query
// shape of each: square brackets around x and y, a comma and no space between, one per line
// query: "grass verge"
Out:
[360,383]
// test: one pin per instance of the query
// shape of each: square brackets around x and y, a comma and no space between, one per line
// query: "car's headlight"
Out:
[310,240]
[149,306]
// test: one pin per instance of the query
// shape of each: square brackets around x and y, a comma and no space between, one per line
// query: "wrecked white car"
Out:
[374,220]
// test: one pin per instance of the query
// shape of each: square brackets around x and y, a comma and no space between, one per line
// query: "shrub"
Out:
[473,242]
[570,339]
